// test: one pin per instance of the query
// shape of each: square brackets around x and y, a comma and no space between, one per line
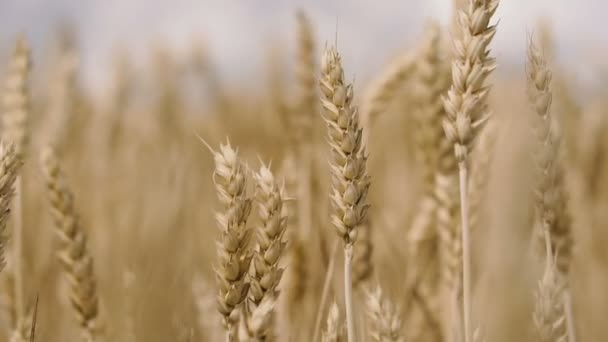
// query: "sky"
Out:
[237,32]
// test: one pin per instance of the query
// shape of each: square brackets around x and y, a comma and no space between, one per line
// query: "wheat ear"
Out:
[551,206]
[230,181]
[550,191]
[467,111]
[266,273]
[73,254]
[385,324]
[350,181]
[16,106]
[430,82]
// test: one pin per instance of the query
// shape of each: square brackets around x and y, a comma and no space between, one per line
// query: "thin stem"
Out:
[548,247]
[569,316]
[466,254]
[325,294]
[348,293]
[18,248]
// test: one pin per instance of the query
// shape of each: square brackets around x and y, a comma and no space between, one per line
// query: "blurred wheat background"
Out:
[178,171]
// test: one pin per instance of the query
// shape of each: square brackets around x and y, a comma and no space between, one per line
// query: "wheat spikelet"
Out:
[385,324]
[550,192]
[9,166]
[266,273]
[350,181]
[230,182]
[334,331]
[73,253]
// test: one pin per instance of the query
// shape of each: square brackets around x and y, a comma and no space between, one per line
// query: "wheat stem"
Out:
[325,293]
[466,253]
[348,293]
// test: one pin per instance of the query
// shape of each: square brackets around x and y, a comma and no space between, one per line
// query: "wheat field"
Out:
[442,201]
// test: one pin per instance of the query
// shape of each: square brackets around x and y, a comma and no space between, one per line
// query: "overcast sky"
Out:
[238,31]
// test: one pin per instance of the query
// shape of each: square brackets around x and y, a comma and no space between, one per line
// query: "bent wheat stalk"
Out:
[350,181]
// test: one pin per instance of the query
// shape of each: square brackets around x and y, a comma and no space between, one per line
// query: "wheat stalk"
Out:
[350,181]
[73,254]
[385,324]
[230,181]
[467,111]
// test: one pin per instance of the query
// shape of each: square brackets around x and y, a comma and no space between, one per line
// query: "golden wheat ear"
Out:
[348,165]
[73,251]
[266,273]
[230,179]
